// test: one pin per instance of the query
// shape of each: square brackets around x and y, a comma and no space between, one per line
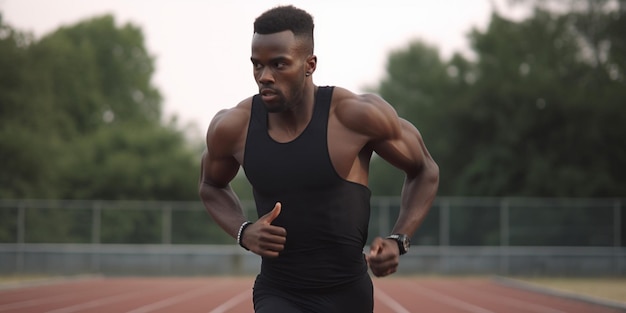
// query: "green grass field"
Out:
[21,278]
[613,289]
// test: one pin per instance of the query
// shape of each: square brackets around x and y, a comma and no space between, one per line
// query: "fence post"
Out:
[617,236]
[444,236]
[504,236]
[21,223]
[21,236]
[96,237]
[96,222]
[166,231]
[617,223]
[444,223]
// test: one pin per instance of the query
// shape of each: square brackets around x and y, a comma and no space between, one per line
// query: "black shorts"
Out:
[357,297]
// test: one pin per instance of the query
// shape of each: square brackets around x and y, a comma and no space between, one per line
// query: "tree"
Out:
[81,118]
[130,162]
[552,109]
[536,114]
[23,120]
[98,73]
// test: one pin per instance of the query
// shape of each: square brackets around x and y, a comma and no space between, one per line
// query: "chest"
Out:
[300,164]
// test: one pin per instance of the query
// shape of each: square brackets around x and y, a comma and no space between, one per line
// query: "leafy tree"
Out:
[81,119]
[536,114]
[130,162]
[554,112]
[98,73]
[22,120]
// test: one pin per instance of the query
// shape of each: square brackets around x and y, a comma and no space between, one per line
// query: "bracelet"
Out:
[243,226]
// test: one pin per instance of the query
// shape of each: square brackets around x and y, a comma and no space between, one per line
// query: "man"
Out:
[306,151]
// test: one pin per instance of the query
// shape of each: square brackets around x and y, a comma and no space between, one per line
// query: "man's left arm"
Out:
[406,150]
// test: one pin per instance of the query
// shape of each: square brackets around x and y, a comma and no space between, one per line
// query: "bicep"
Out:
[391,137]
[219,164]
[217,171]
[403,149]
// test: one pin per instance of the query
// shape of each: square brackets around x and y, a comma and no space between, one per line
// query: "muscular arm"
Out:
[218,167]
[408,152]
[398,142]
[220,163]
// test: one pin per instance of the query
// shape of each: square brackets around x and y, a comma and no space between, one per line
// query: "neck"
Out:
[289,124]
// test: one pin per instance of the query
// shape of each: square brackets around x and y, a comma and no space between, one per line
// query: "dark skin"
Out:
[358,126]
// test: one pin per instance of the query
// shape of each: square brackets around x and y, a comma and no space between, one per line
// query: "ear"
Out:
[311,63]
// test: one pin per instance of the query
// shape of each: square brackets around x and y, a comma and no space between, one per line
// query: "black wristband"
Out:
[240,233]
[403,241]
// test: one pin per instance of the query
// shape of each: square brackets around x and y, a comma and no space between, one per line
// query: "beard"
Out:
[277,99]
[278,102]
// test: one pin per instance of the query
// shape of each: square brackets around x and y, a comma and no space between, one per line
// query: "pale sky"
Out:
[202,48]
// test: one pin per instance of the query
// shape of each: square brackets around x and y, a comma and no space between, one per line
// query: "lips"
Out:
[268,94]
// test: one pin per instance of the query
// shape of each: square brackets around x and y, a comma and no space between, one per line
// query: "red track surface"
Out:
[233,295]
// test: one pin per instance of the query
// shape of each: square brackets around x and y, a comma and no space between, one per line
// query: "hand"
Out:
[263,238]
[384,257]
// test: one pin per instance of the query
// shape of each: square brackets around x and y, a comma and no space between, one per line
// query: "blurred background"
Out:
[100,135]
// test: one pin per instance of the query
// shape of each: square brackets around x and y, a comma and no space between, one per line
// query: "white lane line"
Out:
[448,300]
[47,283]
[96,303]
[171,300]
[232,302]
[389,301]
[102,301]
[34,302]
[510,301]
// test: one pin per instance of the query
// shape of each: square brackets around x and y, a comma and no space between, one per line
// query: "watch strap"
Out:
[402,241]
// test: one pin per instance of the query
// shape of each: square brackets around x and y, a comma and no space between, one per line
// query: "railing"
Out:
[522,236]
[452,221]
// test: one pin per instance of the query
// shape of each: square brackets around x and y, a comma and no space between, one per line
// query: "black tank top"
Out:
[326,217]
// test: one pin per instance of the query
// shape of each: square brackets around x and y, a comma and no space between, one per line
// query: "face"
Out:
[280,64]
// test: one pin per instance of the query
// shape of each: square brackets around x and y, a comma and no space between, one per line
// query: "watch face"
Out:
[406,243]
[403,242]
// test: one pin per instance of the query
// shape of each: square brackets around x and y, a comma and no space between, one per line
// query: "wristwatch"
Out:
[403,242]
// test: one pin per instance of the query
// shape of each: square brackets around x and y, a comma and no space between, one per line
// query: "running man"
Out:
[306,151]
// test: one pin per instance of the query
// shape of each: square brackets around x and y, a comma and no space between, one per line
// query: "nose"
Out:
[265,76]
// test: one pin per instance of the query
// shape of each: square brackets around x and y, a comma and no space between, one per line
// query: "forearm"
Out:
[224,207]
[418,194]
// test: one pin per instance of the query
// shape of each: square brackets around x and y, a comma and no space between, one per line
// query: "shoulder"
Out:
[368,114]
[229,125]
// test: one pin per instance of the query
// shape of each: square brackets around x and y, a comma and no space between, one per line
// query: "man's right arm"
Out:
[220,163]
[218,168]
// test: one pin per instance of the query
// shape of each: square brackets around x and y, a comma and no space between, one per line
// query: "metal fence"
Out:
[452,221]
[537,236]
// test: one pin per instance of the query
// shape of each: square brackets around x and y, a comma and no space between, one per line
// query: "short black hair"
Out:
[283,18]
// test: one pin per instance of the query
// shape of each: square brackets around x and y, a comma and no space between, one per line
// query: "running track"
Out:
[233,295]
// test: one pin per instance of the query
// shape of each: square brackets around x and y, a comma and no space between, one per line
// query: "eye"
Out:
[280,65]
[256,65]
